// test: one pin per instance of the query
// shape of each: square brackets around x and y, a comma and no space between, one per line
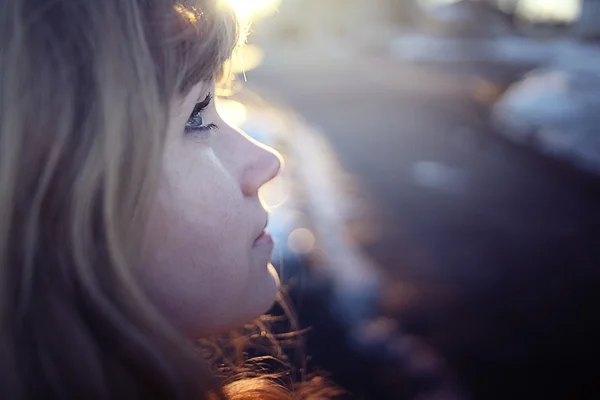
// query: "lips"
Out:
[264,227]
[264,239]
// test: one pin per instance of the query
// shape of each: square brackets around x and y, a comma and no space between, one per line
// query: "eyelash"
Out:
[197,115]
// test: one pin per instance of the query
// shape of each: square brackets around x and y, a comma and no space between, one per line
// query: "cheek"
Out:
[197,244]
[201,228]
[200,204]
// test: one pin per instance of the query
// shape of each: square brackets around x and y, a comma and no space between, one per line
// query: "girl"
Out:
[130,222]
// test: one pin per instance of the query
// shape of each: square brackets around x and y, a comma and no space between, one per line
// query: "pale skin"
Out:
[203,265]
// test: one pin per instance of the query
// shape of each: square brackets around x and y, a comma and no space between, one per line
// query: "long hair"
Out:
[85,88]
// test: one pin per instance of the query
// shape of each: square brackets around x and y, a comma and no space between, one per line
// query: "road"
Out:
[492,251]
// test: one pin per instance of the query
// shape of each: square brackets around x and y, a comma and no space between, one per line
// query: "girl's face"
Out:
[207,260]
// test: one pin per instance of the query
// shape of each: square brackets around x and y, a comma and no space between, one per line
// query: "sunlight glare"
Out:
[556,10]
[244,59]
[247,8]
[232,112]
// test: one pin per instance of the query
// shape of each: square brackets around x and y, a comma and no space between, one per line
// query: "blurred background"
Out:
[438,217]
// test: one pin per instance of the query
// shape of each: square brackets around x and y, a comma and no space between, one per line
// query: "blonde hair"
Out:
[85,88]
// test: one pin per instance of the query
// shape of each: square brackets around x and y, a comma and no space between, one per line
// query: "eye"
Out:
[195,122]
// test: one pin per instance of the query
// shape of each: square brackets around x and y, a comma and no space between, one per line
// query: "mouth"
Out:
[264,238]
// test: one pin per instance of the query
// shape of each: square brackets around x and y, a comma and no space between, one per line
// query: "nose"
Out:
[264,165]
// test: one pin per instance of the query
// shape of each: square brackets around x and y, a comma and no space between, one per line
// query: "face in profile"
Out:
[206,260]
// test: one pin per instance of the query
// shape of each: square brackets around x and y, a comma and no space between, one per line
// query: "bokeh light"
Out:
[274,193]
[301,241]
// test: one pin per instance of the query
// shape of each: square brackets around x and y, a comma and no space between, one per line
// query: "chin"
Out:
[250,306]
[263,299]
[256,303]
[269,293]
